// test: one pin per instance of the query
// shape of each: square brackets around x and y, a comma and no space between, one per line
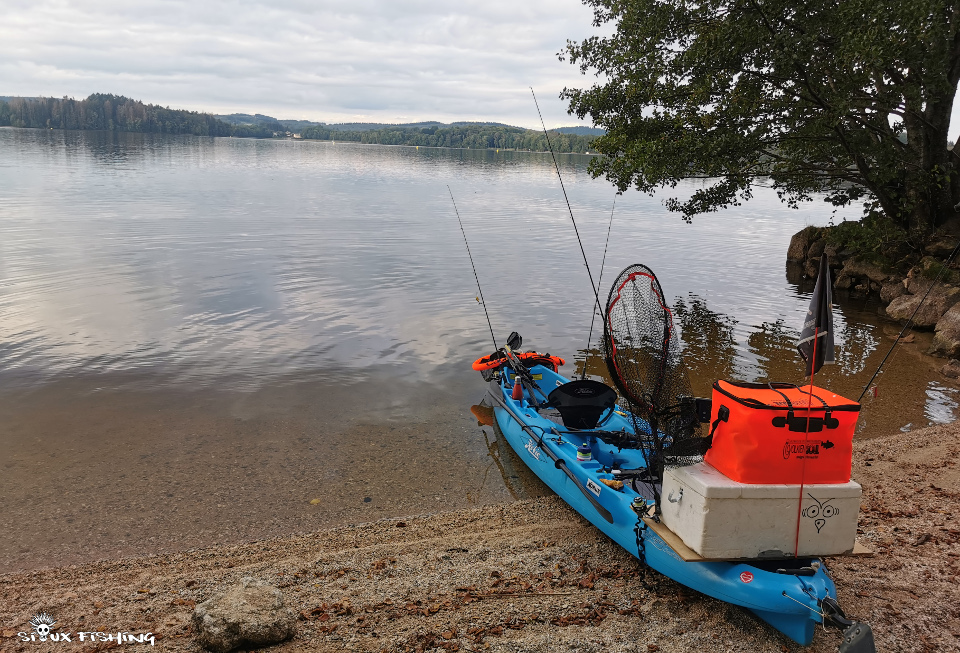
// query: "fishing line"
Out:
[475,276]
[599,281]
[593,286]
[909,322]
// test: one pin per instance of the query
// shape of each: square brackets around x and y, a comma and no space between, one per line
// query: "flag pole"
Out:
[806,436]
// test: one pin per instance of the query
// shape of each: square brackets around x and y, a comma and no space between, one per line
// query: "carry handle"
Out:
[806,424]
[723,415]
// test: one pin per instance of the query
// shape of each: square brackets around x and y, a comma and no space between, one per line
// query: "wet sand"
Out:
[91,471]
[530,576]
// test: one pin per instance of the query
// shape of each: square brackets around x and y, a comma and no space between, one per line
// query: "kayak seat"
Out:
[581,403]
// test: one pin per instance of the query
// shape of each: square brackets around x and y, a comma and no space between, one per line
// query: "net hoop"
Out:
[615,296]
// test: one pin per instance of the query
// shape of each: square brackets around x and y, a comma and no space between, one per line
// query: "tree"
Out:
[851,98]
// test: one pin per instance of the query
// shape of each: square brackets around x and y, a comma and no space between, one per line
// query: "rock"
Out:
[942,246]
[951,226]
[843,281]
[859,268]
[917,285]
[892,290]
[833,255]
[931,268]
[895,251]
[952,369]
[816,250]
[946,340]
[910,337]
[801,242]
[937,303]
[811,269]
[250,613]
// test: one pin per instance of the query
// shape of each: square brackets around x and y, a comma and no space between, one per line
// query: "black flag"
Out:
[818,324]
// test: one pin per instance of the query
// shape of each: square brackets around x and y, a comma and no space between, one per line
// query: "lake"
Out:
[208,340]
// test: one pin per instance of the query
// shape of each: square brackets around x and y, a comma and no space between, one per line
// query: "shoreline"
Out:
[315,140]
[531,575]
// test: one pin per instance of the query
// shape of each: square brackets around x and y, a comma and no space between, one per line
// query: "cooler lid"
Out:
[705,480]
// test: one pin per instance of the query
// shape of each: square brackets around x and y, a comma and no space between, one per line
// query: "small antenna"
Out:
[475,276]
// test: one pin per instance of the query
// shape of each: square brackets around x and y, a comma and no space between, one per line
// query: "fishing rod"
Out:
[909,322]
[475,275]
[593,315]
[593,286]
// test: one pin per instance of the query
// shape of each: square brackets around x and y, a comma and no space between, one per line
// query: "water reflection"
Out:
[709,339]
[517,478]
[235,264]
[717,346]
[941,403]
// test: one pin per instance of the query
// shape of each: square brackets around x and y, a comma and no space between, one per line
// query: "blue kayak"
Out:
[790,600]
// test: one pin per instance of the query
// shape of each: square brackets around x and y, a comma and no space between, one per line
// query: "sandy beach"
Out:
[530,575]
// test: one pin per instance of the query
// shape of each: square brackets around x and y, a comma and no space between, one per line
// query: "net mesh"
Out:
[643,353]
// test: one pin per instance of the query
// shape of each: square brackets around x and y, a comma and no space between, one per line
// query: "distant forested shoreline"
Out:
[103,111]
[473,137]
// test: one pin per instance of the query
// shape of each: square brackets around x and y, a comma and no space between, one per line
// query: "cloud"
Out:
[332,61]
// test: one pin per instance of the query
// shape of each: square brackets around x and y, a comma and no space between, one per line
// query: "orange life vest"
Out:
[529,358]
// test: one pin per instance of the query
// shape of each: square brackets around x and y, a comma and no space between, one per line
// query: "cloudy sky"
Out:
[350,60]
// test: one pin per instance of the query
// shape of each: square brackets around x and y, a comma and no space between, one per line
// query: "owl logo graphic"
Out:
[43,624]
[820,512]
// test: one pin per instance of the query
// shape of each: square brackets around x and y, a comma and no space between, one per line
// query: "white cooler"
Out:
[722,519]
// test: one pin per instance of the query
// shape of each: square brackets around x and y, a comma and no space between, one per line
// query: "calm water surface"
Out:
[197,278]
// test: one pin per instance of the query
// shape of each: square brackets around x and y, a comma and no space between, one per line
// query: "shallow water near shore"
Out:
[213,340]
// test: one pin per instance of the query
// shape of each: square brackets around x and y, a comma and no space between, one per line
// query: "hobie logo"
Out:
[43,631]
[532,448]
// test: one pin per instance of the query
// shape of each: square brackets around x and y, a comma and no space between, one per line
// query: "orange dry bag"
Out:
[765,433]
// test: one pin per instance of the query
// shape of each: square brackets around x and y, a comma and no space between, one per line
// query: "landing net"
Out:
[643,353]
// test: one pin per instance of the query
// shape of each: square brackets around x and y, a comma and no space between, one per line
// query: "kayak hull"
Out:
[789,603]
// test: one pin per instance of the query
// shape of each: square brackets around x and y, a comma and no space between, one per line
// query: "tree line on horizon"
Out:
[104,111]
[474,137]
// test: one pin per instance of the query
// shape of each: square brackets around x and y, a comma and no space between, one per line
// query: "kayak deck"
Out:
[789,602]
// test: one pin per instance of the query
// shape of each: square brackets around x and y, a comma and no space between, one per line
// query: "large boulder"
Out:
[946,340]
[917,285]
[951,369]
[936,304]
[816,250]
[942,246]
[855,267]
[833,254]
[800,243]
[931,268]
[250,614]
[843,281]
[892,290]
